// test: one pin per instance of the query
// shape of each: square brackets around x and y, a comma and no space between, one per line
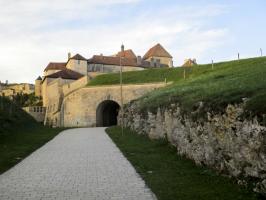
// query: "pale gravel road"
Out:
[78,164]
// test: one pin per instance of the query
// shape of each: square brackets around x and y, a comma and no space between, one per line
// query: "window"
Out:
[78,62]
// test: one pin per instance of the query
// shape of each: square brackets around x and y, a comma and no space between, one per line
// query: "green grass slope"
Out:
[20,134]
[144,76]
[171,176]
[228,82]
[11,116]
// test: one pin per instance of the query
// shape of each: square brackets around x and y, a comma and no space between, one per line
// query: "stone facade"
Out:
[79,107]
[224,141]
[77,65]
[102,68]
[162,60]
[37,112]
[38,87]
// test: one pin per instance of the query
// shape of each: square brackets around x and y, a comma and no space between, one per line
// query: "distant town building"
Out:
[189,62]
[10,90]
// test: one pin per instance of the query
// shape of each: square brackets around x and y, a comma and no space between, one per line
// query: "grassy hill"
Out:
[20,134]
[12,116]
[228,82]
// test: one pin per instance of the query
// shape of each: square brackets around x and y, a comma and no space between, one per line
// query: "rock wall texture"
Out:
[223,141]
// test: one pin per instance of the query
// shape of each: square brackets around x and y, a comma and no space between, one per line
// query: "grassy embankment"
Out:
[173,177]
[20,134]
[228,82]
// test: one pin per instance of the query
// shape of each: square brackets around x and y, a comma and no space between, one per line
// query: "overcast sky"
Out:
[36,32]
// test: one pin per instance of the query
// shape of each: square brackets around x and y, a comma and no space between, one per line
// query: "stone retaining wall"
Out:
[222,141]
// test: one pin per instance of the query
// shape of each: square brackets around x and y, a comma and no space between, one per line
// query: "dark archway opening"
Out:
[106,113]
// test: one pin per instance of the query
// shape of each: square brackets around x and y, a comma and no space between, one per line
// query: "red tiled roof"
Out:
[55,66]
[111,60]
[78,57]
[127,54]
[157,50]
[66,74]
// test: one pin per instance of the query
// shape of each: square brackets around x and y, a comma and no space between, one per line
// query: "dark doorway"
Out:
[106,113]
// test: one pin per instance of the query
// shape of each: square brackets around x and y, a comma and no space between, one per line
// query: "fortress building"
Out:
[60,79]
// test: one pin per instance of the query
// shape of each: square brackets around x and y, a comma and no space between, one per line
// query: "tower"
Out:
[38,83]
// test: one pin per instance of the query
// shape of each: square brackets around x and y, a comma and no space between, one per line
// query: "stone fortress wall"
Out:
[79,108]
[224,141]
[70,87]
[37,112]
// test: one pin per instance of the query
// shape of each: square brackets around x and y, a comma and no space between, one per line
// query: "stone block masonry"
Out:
[224,141]
[78,164]
[79,108]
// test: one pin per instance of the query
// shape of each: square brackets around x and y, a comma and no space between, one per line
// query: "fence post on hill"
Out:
[238,56]
[184,73]
[121,90]
[1,103]
[261,54]
[212,65]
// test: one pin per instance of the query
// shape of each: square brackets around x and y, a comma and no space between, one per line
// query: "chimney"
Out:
[122,48]
[69,55]
[139,60]
[6,82]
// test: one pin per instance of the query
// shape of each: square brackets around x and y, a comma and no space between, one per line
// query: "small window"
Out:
[78,62]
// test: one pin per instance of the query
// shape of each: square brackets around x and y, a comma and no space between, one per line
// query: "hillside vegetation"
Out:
[228,82]
[171,176]
[12,116]
[20,134]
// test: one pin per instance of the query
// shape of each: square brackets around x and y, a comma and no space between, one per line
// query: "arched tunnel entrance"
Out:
[106,113]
